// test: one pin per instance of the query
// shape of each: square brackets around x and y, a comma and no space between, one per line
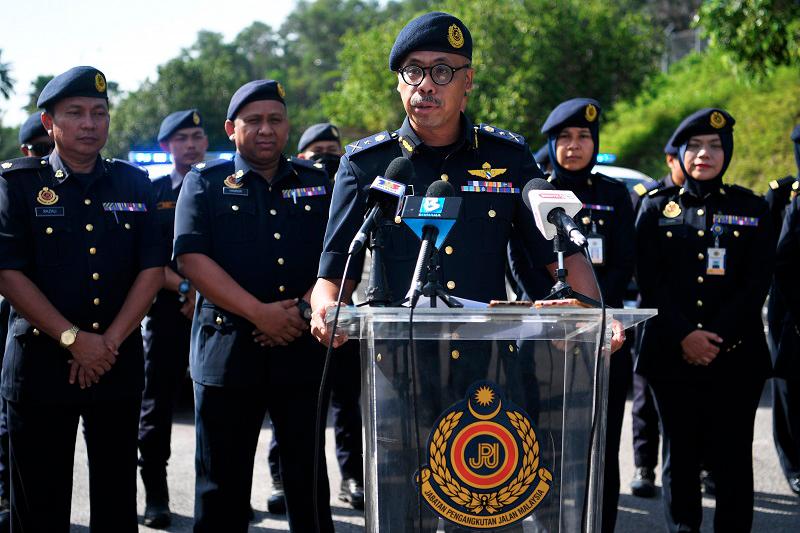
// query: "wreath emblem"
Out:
[590,113]
[484,467]
[717,120]
[455,36]
[99,82]
[47,196]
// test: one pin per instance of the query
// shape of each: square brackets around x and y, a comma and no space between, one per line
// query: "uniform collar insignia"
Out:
[487,172]
[60,171]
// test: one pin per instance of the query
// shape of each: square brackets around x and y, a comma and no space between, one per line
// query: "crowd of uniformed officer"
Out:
[230,266]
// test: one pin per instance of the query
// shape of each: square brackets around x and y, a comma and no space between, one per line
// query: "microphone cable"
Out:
[322,401]
[414,417]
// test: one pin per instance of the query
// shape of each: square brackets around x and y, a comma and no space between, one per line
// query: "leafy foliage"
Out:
[6,81]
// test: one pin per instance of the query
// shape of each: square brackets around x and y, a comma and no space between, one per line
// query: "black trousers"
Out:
[645,424]
[166,357]
[709,423]
[619,383]
[228,421]
[346,410]
[42,438]
[786,424]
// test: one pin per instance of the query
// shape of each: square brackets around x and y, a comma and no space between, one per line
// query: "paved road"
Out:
[776,509]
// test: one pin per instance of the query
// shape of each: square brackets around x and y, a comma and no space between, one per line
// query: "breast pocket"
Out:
[54,241]
[487,218]
[120,229]
[235,220]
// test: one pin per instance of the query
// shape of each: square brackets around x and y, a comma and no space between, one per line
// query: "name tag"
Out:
[132,207]
[671,221]
[49,211]
[235,192]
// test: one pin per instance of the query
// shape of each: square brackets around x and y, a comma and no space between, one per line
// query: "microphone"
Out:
[553,210]
[432,213]
[385,195]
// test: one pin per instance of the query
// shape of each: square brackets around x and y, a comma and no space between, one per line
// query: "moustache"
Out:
[427,99]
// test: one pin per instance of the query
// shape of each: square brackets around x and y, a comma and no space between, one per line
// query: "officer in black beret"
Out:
[167,327]
[33,138]
[573,141]
[705,260]
[321,143]
[81,259]
[783,335]
[248,234]
[431,58]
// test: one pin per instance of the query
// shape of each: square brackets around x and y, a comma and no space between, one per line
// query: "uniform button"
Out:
[36,332]
[96,301]
[280,260]
[699,303]
[700,233]
[127,226]
[397,219]
[669,234]
[455,354]
[282,288]
[601,221]
[89,227]
[699,279]
[586,221]
[736,233]
[700,256]
[95,276]
[511,348]
[277,236]
[451,285]
[49,231]
[273,212]
[492,213]
[95,325]
[700,212]
[307,207]
[448,250]
[699,326]
[92,250]
[235,207]
[87,201]
[445,177]
[218,320]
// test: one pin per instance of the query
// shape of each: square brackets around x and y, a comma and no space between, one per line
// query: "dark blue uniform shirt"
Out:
[473,258]
[82,239]
[268,238]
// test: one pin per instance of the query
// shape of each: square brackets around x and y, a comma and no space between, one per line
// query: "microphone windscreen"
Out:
[535,184]
[400,170]
[440,189]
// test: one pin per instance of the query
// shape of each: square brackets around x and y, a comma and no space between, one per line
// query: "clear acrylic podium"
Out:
[484,421]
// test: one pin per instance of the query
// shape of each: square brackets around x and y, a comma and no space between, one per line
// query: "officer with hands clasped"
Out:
[167,327]
[705,258]
[80,261]
[248,234]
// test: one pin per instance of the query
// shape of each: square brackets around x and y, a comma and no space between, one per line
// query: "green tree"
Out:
[756,35]
[6,81]
[37,86]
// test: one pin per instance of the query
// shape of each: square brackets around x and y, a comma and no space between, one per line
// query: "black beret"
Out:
[542,155]
[324,131]
[578,112]
[253,91]
[796,134]
[434,32]
[705,121]
[188,118]
[77,81]
[31,129]
[670,150]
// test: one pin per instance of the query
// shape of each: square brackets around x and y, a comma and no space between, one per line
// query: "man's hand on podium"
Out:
[617,335]
[324,296]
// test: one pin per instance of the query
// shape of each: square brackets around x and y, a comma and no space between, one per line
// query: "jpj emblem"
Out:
[484,467]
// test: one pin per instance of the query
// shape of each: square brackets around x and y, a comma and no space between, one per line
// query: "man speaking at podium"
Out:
[431,58]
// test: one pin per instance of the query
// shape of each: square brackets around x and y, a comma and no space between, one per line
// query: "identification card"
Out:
[716,262]
[597,249]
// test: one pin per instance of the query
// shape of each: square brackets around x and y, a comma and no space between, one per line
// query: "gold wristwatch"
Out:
[68,337]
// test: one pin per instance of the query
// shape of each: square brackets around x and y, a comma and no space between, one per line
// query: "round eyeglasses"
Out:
[441,74]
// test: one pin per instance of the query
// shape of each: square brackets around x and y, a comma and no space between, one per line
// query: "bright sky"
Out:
[127,40]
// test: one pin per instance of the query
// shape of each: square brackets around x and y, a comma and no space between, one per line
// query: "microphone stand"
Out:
[433,289]
[562,289]
[378,295]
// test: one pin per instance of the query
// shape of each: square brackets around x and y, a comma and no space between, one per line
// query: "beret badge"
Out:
[99,82]
[590,113]
[455,36]
[281,91]
[717,120]
[196,118]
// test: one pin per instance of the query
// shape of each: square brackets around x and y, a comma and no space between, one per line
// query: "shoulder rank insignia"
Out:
[640,189]
[367,142]
[200,165]
[485,467]
[513,138]
[774,184]
[47,196]
[487,172]
[672,210]
[6,165]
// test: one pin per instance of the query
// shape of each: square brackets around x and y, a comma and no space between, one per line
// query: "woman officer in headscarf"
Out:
[705,259]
